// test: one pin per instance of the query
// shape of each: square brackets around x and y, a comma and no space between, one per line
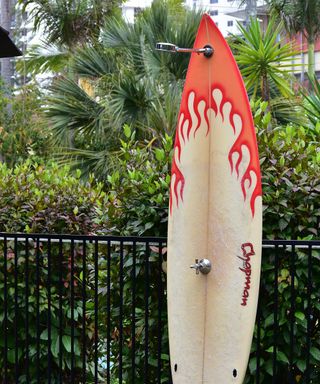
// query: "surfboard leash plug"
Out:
[207,50]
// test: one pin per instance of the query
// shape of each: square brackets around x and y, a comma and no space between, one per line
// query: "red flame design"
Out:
[218,72]
[178,179]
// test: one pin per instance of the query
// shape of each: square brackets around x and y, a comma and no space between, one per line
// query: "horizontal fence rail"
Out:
[92,309]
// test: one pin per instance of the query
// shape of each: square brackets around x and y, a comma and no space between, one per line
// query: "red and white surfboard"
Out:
[215,214]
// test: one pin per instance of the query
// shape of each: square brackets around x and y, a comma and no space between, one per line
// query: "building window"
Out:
[213,1]
[230,23]
[213,13]
[137,10]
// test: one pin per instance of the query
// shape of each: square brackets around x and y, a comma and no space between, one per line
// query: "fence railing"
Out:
[92,309]
[286,346]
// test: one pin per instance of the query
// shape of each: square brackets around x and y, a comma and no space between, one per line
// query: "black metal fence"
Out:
[92,309]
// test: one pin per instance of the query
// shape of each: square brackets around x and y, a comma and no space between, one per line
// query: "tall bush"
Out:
[290,165]
[45,199]
[35,198]
[138,205]
[138,190]
[22,132]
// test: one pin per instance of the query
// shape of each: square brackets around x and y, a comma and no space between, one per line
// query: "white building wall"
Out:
[218,10]
[132,7]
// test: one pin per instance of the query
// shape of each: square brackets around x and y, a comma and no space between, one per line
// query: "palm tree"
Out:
[266,66]
[265,63]
[312,104]
[65,25]
[123,80]
[69,22]
[300,16]
[163,21]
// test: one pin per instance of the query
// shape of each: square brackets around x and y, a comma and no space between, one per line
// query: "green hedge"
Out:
[36,198]
[46,199]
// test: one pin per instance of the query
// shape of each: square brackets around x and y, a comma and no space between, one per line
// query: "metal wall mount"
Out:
[207,50]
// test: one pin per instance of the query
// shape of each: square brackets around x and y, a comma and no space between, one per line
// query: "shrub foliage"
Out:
[45,199]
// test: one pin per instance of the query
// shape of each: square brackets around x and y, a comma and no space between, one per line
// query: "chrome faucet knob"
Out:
[204,266]
[196,266]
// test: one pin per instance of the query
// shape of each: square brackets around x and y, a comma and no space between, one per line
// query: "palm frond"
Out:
[288,111]
[68,22]
[130,101]
[263,60]
[312,101]
[298,15]
[162,117]
[100,163]
[44,57]
[160,22]
[70,109]
[119,34]
[93,61]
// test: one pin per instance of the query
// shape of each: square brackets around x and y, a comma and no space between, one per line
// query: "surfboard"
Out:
[215,213]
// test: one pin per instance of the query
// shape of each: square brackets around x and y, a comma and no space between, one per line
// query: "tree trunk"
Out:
[265,91]
[302,59]
[6,63]
[311,61]
[250,11]
[6,67]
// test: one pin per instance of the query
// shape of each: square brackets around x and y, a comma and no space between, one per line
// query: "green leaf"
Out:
[302,364]
[44,335]
[253,364]
[269,320]
[300,316]
[315,352]
[55,347]
[148,226]
[127,131]
[282,224]
[77,350]
[159,154]
[282,357]
[66,341]
[11,356]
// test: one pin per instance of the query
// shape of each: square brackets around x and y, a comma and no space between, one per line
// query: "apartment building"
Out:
[221,11]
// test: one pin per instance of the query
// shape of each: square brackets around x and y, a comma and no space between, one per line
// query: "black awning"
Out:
[7,46]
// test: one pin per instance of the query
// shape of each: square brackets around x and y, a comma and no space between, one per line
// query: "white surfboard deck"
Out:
[215,213]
